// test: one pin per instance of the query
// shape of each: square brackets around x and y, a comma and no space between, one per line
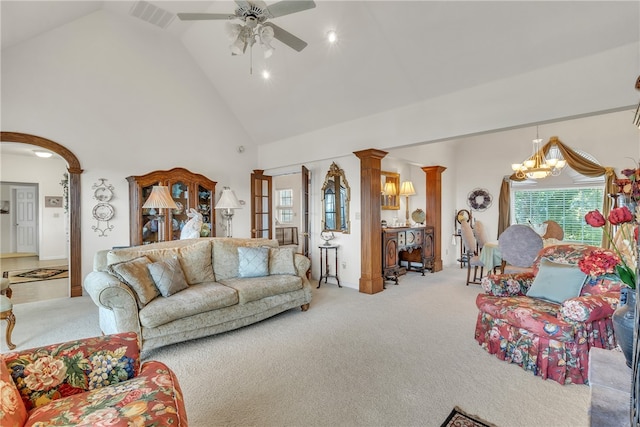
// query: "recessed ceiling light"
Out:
[332,36]
[43,154]
[266,74]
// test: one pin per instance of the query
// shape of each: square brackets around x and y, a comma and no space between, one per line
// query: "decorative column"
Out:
[371,280]
[433,210]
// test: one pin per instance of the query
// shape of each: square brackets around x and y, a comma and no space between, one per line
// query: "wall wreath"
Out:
[479,199]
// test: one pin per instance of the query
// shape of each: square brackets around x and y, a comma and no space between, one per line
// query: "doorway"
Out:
[74,170]
[24,218]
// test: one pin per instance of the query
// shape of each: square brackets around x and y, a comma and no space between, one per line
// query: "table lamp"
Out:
[406,189]
[390,191]
[160,199]
[228,202]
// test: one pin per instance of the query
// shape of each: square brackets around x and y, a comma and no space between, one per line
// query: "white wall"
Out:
[52,222]
[126,99]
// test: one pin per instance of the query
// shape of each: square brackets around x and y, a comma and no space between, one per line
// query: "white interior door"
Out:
[26,219]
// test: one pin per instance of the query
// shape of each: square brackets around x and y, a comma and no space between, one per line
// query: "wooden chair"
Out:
[6,310]
[554,231]
[519,245]
[473,260]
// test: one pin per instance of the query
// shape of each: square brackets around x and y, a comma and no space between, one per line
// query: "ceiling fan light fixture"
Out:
[233,30]
[265,35]
[238,46]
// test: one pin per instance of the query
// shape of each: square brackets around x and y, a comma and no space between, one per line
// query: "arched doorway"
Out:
[74,169]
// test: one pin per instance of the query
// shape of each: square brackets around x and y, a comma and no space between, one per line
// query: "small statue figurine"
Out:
[191,229]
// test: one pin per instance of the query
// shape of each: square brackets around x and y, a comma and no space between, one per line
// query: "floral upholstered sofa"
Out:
[546,321]
[180,290]
[90,382]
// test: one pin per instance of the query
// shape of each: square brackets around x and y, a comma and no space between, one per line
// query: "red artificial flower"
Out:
[619,215]
[598,262]
[595,219]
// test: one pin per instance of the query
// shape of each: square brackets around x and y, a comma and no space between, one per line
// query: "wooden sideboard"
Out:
[413,245]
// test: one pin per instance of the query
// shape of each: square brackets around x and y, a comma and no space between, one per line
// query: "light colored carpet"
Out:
[403,357]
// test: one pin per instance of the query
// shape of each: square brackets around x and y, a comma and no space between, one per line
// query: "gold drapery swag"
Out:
[576,162]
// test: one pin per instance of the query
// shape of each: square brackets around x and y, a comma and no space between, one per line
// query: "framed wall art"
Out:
[52,201]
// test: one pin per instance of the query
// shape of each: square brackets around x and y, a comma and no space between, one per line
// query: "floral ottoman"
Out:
[90,382]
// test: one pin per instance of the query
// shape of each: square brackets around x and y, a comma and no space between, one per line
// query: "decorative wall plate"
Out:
[103,211]
[103,194]
[479,199]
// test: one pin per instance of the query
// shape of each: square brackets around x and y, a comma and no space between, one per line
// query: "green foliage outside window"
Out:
[566,206]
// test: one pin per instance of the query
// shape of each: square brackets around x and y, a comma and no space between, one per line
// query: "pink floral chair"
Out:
[90,382]
[549,338]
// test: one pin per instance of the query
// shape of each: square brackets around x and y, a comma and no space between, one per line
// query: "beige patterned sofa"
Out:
[175,291]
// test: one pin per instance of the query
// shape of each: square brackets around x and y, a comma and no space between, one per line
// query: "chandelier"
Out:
[538,166]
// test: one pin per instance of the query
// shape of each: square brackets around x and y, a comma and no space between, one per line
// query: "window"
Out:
[566,206]
[285,206]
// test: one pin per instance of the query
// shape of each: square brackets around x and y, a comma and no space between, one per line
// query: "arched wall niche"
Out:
[74,169]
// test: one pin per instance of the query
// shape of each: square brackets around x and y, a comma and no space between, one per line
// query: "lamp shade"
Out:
[389,189]
[228,200]
[406,189]
[160,198]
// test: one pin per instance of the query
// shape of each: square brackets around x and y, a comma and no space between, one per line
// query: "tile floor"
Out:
[35,291]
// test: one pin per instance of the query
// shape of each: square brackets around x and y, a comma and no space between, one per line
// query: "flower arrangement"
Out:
[599,262]
[630,186]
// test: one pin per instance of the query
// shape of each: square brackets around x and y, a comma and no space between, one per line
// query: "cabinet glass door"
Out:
[178,217]
[150,219]
[205,207]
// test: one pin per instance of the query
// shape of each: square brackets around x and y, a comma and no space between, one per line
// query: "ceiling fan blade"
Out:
[243,4]
[287,7]
[203,16]
[287,38]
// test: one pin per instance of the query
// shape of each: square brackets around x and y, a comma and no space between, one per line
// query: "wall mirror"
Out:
[335,201]
[389,190]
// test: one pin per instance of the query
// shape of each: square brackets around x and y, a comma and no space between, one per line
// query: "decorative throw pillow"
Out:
[12,409]
[253,262]
[557,282]
[281,261]
[196,262]
[135,274]
[169,276]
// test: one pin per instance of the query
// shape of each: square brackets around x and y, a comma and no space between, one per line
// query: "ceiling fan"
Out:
[254,26]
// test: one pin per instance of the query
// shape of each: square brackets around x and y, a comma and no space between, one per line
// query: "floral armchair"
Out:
[90,382]
[549,338]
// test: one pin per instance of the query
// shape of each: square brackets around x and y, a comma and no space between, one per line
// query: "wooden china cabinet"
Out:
[188,190]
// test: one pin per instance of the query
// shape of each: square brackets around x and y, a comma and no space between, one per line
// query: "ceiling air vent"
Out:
[152,14]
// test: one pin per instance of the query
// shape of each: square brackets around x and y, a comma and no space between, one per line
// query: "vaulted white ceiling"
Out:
[390,53]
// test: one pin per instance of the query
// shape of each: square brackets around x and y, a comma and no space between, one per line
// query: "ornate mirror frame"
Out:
[73,166]
[336,190]
[389,182]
